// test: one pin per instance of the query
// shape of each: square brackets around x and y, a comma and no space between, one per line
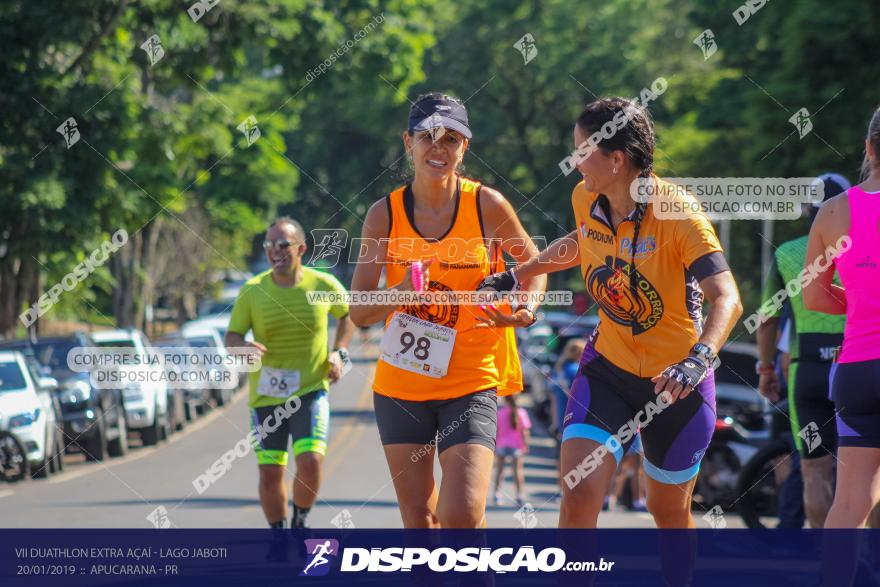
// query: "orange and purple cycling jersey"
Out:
[855,377]
[650,305]
[645,330]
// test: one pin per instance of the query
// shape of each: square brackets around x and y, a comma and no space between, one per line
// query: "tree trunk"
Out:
[9,305]
[148,282]
[19,280]
[28,285]
[125,266]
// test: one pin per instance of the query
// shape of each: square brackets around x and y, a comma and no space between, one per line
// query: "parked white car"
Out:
[222,305]
[146,403]
[200,335]
[29,412]
[213,328]
[219,322]
[206,334]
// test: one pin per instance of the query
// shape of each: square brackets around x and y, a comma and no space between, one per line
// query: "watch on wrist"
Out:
[763,367]
[705,353]
[343,353]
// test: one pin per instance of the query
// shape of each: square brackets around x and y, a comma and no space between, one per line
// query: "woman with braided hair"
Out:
[648,366]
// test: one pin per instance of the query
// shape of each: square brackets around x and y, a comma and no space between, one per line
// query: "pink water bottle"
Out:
[418,277]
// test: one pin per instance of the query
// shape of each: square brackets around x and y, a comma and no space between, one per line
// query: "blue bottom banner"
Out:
[715,558]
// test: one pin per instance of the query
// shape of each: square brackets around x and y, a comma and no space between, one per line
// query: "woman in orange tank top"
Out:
[441,366]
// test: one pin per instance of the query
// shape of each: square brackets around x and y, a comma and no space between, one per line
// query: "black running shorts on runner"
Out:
[606,403]
[855,388]
[470,419]
[306,422]
[811,410]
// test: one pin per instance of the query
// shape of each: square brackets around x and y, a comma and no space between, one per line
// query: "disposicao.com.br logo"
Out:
[443,559]
[321,551]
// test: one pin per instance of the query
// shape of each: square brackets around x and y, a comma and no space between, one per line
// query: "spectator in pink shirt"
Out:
[512,442]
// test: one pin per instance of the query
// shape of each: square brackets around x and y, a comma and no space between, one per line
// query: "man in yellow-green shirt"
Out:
[288,395]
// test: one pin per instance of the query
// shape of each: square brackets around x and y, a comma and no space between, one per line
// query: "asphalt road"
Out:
[156,484]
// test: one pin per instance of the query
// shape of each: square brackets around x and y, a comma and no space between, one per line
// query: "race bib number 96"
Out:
[279,383]
[417,345]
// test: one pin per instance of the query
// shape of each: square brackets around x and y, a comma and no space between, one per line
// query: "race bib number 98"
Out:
[280,383]
[417,345]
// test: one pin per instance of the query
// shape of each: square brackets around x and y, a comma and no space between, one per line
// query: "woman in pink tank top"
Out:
[847,231]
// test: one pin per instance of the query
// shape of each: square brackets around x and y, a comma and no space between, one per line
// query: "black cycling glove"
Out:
[500,282]
[688,372]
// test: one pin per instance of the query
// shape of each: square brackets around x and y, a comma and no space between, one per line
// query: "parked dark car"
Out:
[94,419]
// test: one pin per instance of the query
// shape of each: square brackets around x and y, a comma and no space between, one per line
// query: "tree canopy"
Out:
[158,97]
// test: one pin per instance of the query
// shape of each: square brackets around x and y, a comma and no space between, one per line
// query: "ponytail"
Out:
[636,139]
[874,139]
[639,215]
